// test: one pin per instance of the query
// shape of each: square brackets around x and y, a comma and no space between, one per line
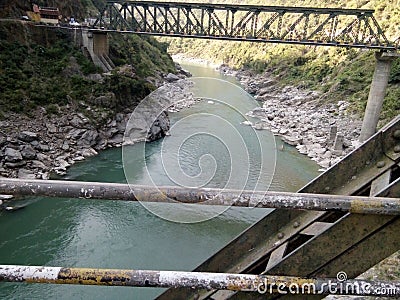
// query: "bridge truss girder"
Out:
[294,25]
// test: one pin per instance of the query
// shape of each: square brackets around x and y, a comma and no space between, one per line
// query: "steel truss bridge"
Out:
[353,28]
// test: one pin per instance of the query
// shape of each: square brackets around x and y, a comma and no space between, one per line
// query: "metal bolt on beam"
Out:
[203,196]
[198,280]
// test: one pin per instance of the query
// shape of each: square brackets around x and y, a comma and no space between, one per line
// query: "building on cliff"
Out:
[49,15]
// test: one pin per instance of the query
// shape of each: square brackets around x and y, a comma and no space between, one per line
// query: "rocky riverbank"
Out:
[35,146]
[323,132]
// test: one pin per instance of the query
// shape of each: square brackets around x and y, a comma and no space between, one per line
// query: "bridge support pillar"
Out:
[376,94]
[100,43]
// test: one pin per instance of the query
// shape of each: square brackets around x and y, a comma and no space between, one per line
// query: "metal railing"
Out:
[204,196]
[261,284]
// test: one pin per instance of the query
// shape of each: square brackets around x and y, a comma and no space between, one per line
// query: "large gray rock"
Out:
[28,136]
[12,155]
[3,141]
[28,152]
[111,132]
[89,138]
[65,146]
[38,165]
[159,128]
[76,133]
[184,72]
[292,140]
[14,165]
[43,158]
[116,141]
[79,121]
[89,152]
[171,77]
[102,144]
[43,147]
[51,128]
[26,174]
[150,120]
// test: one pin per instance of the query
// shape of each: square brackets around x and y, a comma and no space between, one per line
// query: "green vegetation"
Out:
[342,74]
[144,53]
[52,72]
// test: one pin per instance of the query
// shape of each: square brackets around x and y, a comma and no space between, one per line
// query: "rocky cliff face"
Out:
[36,146]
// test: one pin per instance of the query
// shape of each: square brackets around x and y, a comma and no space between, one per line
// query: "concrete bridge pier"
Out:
[96,44]
[376,94]
[100,43]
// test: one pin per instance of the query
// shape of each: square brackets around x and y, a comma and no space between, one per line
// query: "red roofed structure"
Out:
[47,14]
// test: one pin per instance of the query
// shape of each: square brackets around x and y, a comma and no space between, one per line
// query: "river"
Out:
[112,234]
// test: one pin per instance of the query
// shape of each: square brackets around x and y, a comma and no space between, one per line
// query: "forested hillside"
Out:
[42,67]
[343,74]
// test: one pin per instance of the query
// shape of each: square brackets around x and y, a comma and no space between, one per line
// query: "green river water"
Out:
[111,234]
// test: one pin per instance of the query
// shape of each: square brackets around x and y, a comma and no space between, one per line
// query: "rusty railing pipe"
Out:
[164,279]
[203,196]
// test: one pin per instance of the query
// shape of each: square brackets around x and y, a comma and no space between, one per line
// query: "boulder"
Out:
[28,152]
[258,126]
[89,152]
[76,133]
[26,174]
[61,165]
[119,117]
[271,117]
[12,155]
[327,155]
[326,163]
[159,128]
[116,140]
[112,131]
[65,146]
[28,136]
[15,165]
[42,157]
[79,121]
[171,77]
[347,143]
[45,176]
[302,149]
[89,138]
[185,73]
[38,165]
[292,140]
[3,141]
[43,147]
[51,128]
[283,131]
[101,145]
